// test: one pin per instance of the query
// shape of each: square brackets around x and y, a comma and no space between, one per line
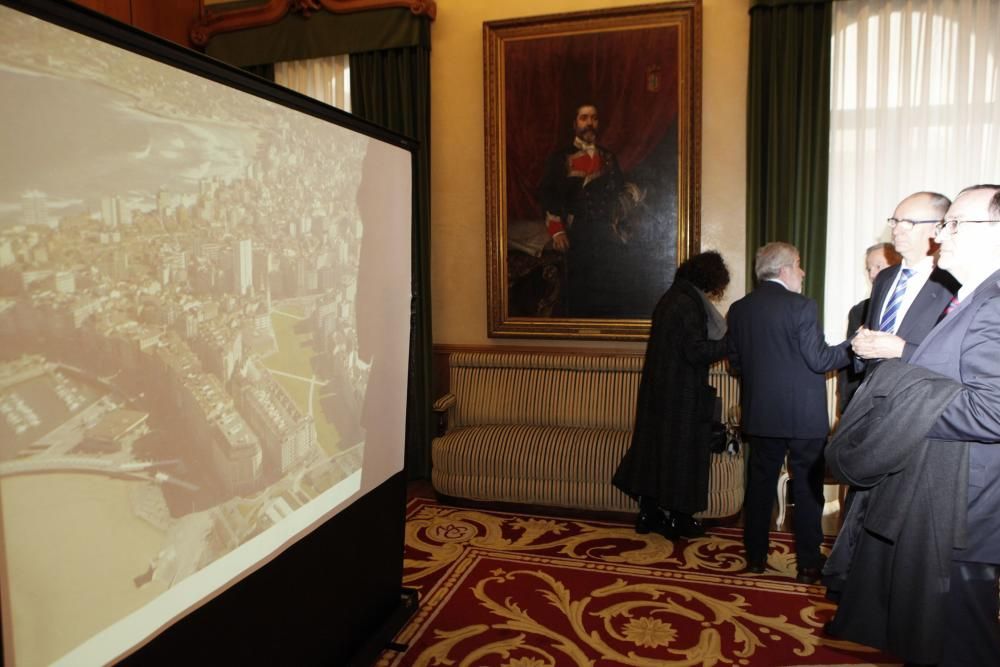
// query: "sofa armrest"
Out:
[445,402]
[443,409]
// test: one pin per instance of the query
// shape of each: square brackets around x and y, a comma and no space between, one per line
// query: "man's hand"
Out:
[560,242]
[869,344]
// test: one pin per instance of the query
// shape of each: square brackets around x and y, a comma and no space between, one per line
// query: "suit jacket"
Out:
[890,565]
[777,348]
[850,377]
[966,346]
[926,310]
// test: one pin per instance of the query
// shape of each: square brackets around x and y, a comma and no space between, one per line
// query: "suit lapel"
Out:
[879,293]
[964,310]
[927,306]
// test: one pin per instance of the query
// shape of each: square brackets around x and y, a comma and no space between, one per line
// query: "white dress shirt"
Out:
[921,274]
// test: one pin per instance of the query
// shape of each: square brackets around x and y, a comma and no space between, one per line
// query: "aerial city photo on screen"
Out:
[178,340]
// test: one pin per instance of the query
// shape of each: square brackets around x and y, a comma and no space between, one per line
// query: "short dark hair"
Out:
[994,206]
[707,271]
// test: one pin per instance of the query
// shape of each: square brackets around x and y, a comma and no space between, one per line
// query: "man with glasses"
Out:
[910,298]
[928,591]
[966,347]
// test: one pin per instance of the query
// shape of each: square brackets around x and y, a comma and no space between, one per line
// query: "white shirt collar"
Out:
[925,265]
[584,146]
[971,284]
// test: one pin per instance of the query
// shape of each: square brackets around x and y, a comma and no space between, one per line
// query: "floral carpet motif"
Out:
[507,590]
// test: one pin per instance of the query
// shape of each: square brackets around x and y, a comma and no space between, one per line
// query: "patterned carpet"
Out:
[507,590]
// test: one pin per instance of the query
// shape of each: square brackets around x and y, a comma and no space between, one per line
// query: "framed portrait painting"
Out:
[592,167]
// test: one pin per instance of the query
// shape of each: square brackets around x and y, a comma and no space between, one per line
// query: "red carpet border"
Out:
[508,590]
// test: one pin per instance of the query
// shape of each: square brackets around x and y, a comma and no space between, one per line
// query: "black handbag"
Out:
[725,435]
[725,438]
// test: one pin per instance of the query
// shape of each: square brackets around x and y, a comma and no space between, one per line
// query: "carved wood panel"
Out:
[215,20]
[120,10]
[169,20]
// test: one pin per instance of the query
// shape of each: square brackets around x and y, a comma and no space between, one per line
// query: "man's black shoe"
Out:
[811,575]
[755,567]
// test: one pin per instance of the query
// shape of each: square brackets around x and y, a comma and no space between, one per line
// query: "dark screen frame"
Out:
[325,596]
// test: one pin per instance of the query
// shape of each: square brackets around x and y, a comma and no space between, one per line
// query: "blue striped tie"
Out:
[888,321]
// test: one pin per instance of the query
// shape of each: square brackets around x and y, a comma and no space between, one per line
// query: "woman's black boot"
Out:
[654,519]
[687,526]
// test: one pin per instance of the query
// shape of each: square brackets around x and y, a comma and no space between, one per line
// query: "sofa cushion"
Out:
[583,391]
[726,483]
[544,465]
[561,467]
[550,429]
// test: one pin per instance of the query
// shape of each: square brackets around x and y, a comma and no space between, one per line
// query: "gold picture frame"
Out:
[626,201]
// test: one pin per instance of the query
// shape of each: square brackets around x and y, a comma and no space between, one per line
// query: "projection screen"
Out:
[204,326]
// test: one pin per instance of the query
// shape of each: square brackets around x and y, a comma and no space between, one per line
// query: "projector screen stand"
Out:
[381,639]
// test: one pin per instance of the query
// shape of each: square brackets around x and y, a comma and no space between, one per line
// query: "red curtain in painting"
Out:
[630,74]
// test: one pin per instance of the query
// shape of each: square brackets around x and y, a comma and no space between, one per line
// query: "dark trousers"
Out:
[805,463]
[971,632]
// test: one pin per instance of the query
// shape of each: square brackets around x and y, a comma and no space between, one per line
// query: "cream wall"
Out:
[458,224]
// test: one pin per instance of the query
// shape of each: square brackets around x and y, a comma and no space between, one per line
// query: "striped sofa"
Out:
[550,429]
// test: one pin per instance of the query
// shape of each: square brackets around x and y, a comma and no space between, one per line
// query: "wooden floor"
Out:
[422,488]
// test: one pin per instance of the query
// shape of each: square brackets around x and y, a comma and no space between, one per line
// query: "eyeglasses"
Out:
[951,224]
[909,224]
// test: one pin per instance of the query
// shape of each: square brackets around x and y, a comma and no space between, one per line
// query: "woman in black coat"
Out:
[666,467]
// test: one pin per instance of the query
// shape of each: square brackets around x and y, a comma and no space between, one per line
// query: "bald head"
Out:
[915,241]
[934,204]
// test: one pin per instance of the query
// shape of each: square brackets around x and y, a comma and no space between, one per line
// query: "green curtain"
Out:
[788,127]
[392,88]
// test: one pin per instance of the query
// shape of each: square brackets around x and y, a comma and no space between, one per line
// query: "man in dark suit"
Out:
[877,257]
[909,299]
[966,346]
[777,348]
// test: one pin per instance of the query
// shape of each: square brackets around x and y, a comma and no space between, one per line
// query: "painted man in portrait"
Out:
[587,202]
